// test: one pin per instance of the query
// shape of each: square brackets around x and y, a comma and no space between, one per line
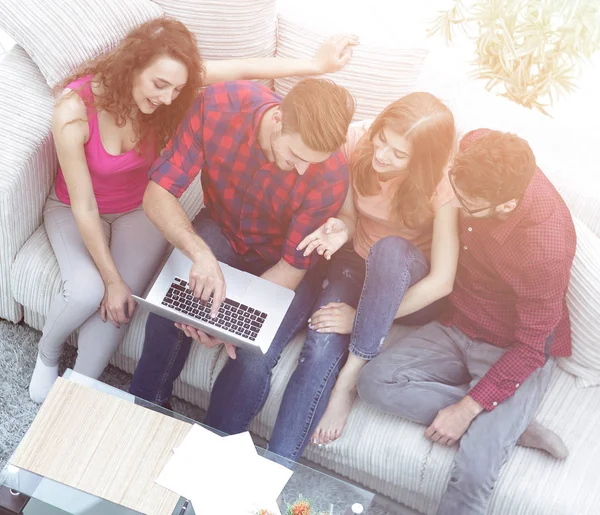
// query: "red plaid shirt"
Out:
[511,285]
[259,207]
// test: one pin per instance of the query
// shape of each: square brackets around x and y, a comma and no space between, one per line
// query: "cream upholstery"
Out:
[27,163]
[384,453]
[59,35]
[227,29]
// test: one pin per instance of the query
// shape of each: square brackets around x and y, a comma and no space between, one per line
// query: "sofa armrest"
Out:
[27,162]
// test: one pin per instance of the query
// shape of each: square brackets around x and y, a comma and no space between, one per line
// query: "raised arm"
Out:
[333,54]
[71,132]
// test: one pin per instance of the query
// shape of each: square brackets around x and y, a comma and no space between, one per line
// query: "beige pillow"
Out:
[60,35]
[376,76]
[583,299]
[228,29]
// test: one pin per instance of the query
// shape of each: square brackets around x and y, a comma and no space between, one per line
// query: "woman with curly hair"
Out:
[110,122]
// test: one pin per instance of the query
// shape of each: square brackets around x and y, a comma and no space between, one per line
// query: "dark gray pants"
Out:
[435,367]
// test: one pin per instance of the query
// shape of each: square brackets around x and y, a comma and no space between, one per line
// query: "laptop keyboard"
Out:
[234,317]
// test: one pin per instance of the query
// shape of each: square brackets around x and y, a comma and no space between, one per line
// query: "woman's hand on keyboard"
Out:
[205,339]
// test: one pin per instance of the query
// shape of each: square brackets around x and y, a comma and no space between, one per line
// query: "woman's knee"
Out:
[84,291]
[392,247]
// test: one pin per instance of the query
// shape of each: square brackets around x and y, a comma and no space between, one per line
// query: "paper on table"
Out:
[223,474]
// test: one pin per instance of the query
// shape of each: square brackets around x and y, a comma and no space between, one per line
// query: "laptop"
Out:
[248,318]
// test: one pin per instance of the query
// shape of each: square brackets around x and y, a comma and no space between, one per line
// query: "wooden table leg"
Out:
[11,501]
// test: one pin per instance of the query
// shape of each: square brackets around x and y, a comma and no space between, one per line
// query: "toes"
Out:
[318,436]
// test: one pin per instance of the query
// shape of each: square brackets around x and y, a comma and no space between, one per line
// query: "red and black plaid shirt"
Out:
[511,285]
[259,207]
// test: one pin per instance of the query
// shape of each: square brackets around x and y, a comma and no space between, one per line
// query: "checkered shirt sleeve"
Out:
[183,158]
[323,201]
[540,288]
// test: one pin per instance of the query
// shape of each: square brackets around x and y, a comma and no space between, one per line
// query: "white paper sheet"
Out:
[223,475]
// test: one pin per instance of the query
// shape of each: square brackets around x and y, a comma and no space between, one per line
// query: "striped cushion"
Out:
[375,76]
[60,35]
[584,306]
[227,29]
[27,162]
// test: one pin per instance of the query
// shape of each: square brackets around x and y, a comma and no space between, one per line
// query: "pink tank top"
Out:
[119,181]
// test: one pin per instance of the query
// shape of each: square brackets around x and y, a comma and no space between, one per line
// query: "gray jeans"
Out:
[435,367]
[137,248]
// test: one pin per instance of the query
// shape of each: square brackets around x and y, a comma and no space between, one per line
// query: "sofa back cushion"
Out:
[376,76]
[583,299]
[228,29]
[60,35]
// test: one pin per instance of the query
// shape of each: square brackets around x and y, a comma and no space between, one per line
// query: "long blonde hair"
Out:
[429,127]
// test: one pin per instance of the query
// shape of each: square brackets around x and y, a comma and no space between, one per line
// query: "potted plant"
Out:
[530,51]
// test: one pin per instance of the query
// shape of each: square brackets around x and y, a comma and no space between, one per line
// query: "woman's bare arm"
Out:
[331,56]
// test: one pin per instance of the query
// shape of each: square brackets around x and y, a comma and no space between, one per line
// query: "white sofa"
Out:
[385,454]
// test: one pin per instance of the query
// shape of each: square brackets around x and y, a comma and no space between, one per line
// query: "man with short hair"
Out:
[271,174]
[478,376]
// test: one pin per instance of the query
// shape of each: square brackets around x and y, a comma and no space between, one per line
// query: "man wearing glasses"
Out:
[479,374]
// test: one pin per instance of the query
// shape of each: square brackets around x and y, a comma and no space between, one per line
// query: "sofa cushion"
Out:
[27,161]
[228,29]
[390,455]
[60,35]
[376,76]
[35,276]
[584,306]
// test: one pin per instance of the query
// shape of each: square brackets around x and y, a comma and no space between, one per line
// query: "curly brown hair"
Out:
[493,166]
[115,72]
[429,126]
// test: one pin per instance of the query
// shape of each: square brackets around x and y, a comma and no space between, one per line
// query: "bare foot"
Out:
[334,419]
[537,436]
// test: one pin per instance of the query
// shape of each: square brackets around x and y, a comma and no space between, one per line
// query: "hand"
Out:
[334,53]
[327,239]
[117,305]
[206,279]
[205,339]
[335,317]
[452,422]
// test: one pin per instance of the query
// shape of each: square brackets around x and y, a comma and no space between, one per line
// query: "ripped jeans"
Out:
[376,288]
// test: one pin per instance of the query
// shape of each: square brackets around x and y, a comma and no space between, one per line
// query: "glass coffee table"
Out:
[37,495]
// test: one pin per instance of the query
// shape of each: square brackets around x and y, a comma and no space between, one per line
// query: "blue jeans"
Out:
[166,348]
[376,288]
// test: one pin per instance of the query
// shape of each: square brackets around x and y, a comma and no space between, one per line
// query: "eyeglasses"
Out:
[461,200]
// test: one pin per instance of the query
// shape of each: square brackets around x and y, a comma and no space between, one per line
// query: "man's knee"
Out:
[324,349]
[156,323]
[250,363]
[375,381]
[369,383]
